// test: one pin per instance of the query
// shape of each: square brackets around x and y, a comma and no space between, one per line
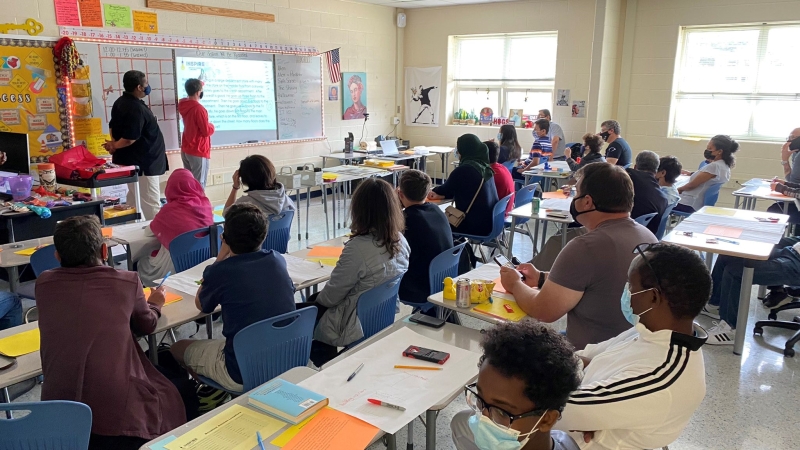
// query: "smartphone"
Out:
[426,354]
[503,261]
[428,321]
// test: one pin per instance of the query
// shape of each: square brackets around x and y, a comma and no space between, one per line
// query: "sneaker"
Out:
[211,398]
[776,297]
[710,311]
[721,334]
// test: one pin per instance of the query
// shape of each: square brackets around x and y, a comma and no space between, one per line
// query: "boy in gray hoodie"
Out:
[263,190]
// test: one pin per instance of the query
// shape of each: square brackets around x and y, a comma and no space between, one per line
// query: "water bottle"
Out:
[572,191]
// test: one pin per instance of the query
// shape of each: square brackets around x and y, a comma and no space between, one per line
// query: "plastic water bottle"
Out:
[572,191]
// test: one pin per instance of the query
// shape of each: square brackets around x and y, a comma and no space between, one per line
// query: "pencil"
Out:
[417,367]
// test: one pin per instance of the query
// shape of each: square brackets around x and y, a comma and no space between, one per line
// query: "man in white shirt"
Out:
[555,133]
[640,389]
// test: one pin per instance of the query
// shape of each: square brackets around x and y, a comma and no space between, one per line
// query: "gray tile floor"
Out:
[752,401]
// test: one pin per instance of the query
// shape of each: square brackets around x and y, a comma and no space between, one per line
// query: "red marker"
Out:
[508,308]
[388,405]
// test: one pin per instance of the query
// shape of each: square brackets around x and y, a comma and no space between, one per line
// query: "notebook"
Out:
[286,401]
[171,297]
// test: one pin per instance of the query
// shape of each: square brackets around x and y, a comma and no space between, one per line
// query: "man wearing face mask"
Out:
[640,389]
[197,131]
[526,374]
[588,275]
[137,141]
[618,151]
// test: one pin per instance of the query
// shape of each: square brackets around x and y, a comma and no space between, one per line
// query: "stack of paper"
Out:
[234,429]
[301,270]
[725,226]
[561,204]
[326,255]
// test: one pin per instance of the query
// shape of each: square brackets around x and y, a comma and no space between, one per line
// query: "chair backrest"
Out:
[44,259]
[499,216]
[702,164]
[645,219]
[278,231]
[662,227]
[444,265]
[193,247]
[509,165]
[50,425]
[712,194]
[272,346]
[376,307]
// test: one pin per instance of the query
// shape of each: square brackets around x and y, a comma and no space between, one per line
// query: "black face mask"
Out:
[574,212]
[605,135]
[795,144]
[201,95]
[708,155]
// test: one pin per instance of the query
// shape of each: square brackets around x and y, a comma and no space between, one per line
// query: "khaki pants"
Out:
[150,194]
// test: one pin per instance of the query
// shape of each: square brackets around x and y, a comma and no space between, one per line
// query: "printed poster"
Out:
[91,13]
[423,87]
[67,13]
[145,22]
[354,100]
[333,93]
[117,16]
[562,97]
[579,108]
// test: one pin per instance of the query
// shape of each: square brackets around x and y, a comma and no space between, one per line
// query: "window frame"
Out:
[502,86]
[754,96]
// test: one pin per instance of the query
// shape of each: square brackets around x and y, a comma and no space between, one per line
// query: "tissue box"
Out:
[288,179]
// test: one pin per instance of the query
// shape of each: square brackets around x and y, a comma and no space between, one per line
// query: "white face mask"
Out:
[490,436]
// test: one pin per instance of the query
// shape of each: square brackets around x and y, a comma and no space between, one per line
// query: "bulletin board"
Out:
[31,98]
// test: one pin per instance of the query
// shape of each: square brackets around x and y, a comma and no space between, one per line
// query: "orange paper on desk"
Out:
[330,429]
[718,230]
[171,297]
[325,252]
[498,286]
[554,194]
[497,309]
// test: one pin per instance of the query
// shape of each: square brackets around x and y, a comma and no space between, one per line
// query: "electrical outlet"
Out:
[217,179]
[395,120]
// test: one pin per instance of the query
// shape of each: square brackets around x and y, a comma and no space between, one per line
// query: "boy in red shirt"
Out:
[502,177]
[197,131]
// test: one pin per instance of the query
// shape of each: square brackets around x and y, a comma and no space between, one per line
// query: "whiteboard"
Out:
[109,62]
[299,96]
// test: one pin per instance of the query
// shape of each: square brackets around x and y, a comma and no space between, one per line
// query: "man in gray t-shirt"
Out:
[588,276]
[556,134]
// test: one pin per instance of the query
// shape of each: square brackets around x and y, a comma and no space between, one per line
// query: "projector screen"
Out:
[238,92]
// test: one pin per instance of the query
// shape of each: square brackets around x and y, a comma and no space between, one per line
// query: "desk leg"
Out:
[209,326]
[753,203]
[709,261]
[129,257]
[430,429]
[563,235]
[391,442]
[512,231]
[7,399]
[297,207]
[786,207]
[308,210]
[13,278]
[535,238]
[544,234]
[736,202]
[333,207]
[744,307]
[446,165]
[527,179]
[153,347]
[325,207]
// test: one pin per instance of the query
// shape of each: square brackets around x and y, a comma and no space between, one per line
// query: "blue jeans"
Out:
[782,267]
[10,310]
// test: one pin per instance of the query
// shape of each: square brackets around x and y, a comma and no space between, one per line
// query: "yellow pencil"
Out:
[417,367]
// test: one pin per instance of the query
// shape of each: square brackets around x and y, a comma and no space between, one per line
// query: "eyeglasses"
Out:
[641,249]
[499,416]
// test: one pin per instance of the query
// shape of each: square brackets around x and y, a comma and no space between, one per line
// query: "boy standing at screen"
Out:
[197,131]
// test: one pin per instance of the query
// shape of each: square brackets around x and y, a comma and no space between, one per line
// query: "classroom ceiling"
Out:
[427,3]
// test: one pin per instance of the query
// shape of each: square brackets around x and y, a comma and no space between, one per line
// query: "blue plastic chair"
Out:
[193,247]
[509,165]
[444,265]
[272,346]
[44,259]
[645,219]
[498,226]
[278,231]
[709,199]
[662,227]
[376,308]
[702,164]
[50,425]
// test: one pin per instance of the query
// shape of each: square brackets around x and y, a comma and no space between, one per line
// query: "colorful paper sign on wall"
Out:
[67,13]
[94,143]
[91,13]
[85,127]
[117,16]
[145,22]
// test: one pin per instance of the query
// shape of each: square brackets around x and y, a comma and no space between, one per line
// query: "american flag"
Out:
[333,65]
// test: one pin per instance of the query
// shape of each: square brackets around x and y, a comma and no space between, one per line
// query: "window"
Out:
[504,72]
[740,81]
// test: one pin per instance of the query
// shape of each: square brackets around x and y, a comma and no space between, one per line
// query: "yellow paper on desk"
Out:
[326,261]
[498,309]
[233,429]
[27,251]
[171,297]
[20,343]
[716,211]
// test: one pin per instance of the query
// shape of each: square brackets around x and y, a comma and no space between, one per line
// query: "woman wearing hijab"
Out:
[187,209]
[473,174]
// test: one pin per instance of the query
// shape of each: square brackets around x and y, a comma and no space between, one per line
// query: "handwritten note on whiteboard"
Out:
[299,95]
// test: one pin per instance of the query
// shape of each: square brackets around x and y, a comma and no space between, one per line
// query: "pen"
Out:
[388,405]
[508,308]
[353,375]
[417,367]
[260,441]
[165,279]
[728,241]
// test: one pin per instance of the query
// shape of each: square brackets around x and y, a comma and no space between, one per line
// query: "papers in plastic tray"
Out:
[412,389]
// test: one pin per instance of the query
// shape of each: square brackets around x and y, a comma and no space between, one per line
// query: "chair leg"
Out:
[172,335]
[483,254]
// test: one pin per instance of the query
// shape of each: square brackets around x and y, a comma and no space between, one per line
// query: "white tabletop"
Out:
[8,256]
[142,241]
[762,192]
[524,212]
[436,149]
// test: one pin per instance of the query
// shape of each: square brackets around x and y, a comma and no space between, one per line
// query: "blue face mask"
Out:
[489,436]
[147,90]
[627,309]
[499,137]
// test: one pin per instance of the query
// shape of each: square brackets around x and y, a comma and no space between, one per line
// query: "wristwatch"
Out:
[784,163]
[541,279]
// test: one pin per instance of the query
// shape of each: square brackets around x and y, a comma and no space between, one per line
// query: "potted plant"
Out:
[471,119]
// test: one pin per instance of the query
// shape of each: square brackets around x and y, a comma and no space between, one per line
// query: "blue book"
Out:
[286,401]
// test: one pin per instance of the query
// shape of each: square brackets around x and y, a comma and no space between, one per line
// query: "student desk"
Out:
[756,189]
[465,338]
[342,187]
[748,250]
[559,171]
[444,153]
[524,212]
[311,285]
[27,225]
[485,272]
[137,240]
[27,366]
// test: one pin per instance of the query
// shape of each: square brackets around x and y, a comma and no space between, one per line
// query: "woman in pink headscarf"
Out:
[187,209]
